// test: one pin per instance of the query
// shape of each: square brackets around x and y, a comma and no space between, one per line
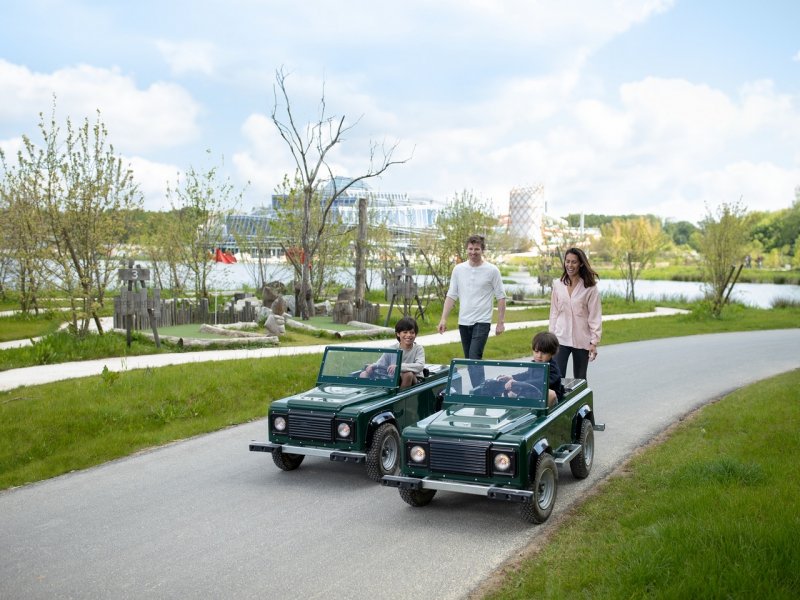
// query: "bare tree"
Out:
[310,146]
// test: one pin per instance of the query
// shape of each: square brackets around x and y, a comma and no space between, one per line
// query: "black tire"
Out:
[581,465]
[383,457]
[417,497]
[545,488]
[287,462]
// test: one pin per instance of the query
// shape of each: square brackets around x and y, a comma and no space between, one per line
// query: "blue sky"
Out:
[626,106]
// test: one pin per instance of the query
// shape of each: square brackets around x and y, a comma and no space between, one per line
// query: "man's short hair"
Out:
[477,239]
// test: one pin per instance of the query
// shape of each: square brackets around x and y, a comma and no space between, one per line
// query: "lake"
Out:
[761,295]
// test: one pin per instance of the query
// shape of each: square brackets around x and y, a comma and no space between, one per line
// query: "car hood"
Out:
[482,422]
[334,397]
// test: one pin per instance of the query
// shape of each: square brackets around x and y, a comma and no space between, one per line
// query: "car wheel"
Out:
[582,463]
[417,497]
[383,457]
[544,487]
[287,462]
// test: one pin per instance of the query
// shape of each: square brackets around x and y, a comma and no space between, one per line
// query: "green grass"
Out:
[694,273]
[55,428]
[713,512]
[23,327]
[51,429]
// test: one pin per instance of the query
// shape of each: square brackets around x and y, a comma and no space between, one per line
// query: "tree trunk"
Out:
[361,271]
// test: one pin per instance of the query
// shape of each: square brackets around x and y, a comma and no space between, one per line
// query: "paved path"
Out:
[48,373]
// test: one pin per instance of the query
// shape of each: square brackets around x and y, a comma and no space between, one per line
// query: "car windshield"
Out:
[499,383]
[360,366]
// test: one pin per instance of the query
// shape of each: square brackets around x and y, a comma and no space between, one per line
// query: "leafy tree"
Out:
[722,240]
[200,203]
[680,232]
[633,245]
[592,220]
[21,234]
[464,215]
[310,147]
[80,191]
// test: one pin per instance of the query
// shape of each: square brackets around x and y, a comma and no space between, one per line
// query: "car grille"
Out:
[311,427]
[468,458]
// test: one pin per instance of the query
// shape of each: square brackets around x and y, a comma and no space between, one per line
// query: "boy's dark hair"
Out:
[476,239]
[406,324]
[546,342]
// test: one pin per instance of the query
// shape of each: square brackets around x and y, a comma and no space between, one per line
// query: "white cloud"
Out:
[10,148]
[189,56]
[161,116]
[152,179]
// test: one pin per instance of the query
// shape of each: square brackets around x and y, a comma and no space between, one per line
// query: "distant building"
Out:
[401,213]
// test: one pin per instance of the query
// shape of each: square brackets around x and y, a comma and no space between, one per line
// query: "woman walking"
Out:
[575,313]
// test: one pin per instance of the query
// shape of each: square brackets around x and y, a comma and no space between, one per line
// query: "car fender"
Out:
[584,412]
[377,421]
[538,449]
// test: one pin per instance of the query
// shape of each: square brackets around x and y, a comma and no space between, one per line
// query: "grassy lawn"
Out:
[712,512]
[23,327]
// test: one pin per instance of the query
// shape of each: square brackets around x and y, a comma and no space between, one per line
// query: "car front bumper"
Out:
[330,453]
[489,491]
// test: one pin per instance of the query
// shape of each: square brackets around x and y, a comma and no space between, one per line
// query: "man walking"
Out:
[475,284]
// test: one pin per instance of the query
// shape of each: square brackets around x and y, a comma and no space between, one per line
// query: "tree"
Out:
[680,232]
[633,244]
[310,149]
[464,215]
[722,240]
[21,233]
[80,192]
[201,203]
[331,239]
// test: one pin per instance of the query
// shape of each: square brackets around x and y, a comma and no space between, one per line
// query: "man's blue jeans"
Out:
[473,341]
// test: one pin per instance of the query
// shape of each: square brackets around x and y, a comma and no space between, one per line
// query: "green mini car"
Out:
[496,437]
[350,416]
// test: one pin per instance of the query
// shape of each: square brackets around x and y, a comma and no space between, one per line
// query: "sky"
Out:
[664,107]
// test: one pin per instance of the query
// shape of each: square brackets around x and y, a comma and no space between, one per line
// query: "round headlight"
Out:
[279,423]
[343,430]
[502,462]
[417,454]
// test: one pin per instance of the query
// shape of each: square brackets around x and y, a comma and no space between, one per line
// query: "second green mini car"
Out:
[496,437]
[351,416]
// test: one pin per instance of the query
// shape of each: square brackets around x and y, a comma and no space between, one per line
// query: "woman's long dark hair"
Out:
[586,272]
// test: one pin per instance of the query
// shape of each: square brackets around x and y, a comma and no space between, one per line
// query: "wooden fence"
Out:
[174,312]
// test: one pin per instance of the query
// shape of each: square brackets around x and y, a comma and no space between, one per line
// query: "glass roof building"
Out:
[400,212]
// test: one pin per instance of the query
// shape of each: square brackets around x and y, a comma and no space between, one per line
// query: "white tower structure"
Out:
[526,210]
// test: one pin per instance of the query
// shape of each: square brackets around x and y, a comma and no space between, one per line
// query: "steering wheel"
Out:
[380,372]
[528,390]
